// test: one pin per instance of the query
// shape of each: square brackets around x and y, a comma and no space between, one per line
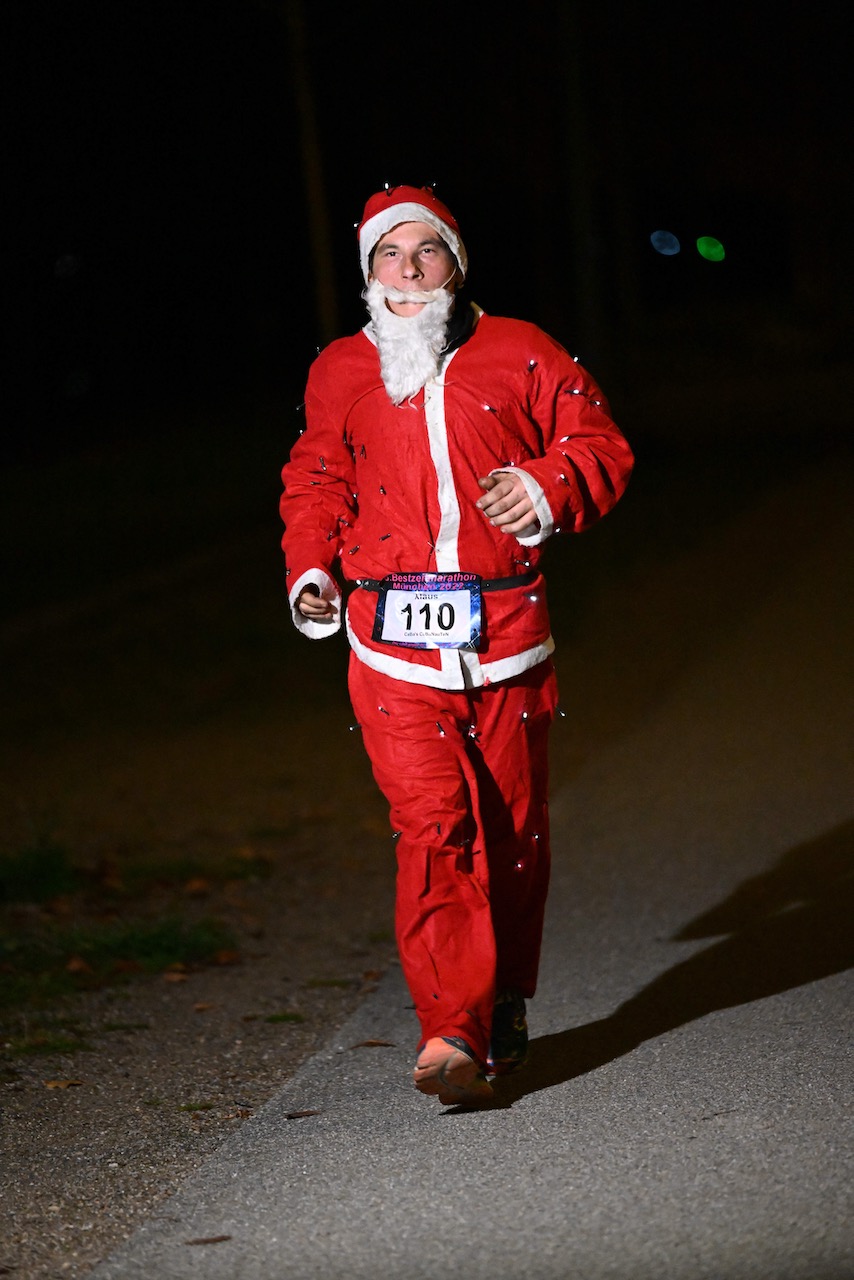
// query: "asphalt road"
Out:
[687,1111]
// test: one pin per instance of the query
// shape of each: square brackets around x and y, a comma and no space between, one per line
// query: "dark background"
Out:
[184,178]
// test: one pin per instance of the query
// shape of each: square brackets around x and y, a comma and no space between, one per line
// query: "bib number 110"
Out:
[446,616]
[429,611]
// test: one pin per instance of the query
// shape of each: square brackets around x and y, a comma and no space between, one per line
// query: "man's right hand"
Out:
[311,604]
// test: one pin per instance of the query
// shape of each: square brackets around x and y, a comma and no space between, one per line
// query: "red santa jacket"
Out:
[373,488]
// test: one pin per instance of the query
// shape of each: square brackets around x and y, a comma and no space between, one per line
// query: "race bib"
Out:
[429,610]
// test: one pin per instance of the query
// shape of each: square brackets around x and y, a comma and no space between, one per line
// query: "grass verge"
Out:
[47,964]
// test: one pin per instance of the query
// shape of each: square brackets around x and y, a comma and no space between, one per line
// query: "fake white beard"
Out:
[410,347]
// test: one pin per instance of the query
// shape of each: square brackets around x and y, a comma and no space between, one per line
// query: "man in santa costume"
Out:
[443,448]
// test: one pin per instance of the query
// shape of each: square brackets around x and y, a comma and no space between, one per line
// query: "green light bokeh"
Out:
[710,249]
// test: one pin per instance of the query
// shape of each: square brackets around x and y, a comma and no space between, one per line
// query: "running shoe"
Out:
[448,1069]
[508,1048]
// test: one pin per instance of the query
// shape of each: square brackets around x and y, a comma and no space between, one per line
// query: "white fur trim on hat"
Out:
[377,226]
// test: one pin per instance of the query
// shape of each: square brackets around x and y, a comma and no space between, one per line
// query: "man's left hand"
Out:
[506,504]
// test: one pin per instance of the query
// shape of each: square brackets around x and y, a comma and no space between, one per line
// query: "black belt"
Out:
[487,584]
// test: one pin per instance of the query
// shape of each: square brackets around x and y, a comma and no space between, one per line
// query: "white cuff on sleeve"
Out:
[316,628]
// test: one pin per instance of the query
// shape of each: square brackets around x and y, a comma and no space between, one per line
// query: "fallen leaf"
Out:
[374,1044]
[227,957]
[374,826]
[173,975]
[298,1115]
[60,906]
[202,1006]
[78,965]
[198,887]
[208,1240]
[62,1084]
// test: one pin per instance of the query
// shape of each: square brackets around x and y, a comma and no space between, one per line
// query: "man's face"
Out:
[413,256]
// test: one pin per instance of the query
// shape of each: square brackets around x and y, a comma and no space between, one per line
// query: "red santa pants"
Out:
[466,777]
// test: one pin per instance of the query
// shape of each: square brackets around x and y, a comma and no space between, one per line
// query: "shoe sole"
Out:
[505,1066]
[451,1076]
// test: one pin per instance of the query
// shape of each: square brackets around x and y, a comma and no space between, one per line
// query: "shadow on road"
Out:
[783,929]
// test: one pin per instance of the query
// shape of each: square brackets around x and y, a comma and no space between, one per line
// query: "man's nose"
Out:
[411,268]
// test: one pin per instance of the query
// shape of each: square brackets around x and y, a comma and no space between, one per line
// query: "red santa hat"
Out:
[393,205]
